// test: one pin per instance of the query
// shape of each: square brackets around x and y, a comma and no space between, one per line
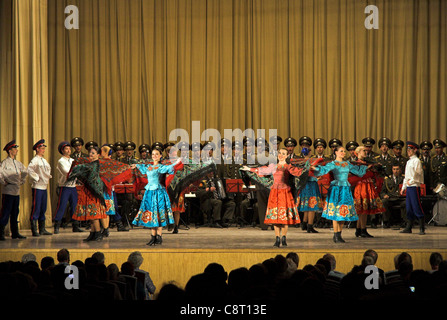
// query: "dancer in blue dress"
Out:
[339,206]
[155,209]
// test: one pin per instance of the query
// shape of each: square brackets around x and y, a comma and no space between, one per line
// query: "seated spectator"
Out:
[333,274]
[435,260]
[148,287]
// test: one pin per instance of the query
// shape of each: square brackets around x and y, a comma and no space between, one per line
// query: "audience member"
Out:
[274,279]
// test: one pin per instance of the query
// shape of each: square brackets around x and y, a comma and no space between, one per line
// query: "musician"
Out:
[368,143]
[129,153]
[144,151]
[167,148]
[319,147]
[184,148]
[305,144]
[397,154]
[290,144]
[390,194]
[225,151]
[196,151]
[439,164]
[12,175]
[384,158]
[77,143]
[350,147]
[212,198]
[119,151]
[249,150]
[425,158]
[274,143]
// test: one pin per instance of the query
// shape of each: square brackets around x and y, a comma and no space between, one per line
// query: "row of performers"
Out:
[390,152]
[291,186]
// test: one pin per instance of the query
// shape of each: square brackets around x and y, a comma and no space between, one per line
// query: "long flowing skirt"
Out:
[88,206]
[155,210]
[310,198]
[281,208]
[366,199]
[339,205]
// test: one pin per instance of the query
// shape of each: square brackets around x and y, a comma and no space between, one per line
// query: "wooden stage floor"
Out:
[190,251]
[236,238]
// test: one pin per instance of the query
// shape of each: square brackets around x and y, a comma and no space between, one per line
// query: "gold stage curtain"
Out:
[25,114]
[137,69]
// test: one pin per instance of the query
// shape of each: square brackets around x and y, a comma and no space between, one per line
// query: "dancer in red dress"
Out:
[282,209]
[366,197]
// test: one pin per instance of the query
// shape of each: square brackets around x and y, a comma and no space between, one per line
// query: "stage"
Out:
[189,252]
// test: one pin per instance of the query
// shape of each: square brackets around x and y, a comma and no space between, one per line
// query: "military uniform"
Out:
[390,195]
[397,149]
[351,146]
[317,143]
[305,143]
[129,156]
[369,143]
[425,158]
[290,143]
[385,160]
[439,165]
[145,151]
[274,145]
[118,147]
[249,152]
[77,143]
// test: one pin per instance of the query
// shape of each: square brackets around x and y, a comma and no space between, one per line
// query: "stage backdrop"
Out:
[136,69]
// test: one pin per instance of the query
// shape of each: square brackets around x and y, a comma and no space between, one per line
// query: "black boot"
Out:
[276,244]
[76,226]
[408,227]
[310,229]
[121,227]
[105,232]
[42,230]
[2,233]
[158,239]
[97,236]
[175,229]
[365,234]
[57,225]
[34,228]
[358,232]
[338,238]
[15,231]
[421,226]
[283,241]
[303,225]
[152,241]
[90,236]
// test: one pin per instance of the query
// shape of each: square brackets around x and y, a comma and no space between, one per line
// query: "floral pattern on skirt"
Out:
[366,199]
[310,198]
[155,209]
[281,208]
[339,205]
[88,206]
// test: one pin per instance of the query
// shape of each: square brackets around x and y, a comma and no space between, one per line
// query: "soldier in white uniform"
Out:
[12,175]
[39,171]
